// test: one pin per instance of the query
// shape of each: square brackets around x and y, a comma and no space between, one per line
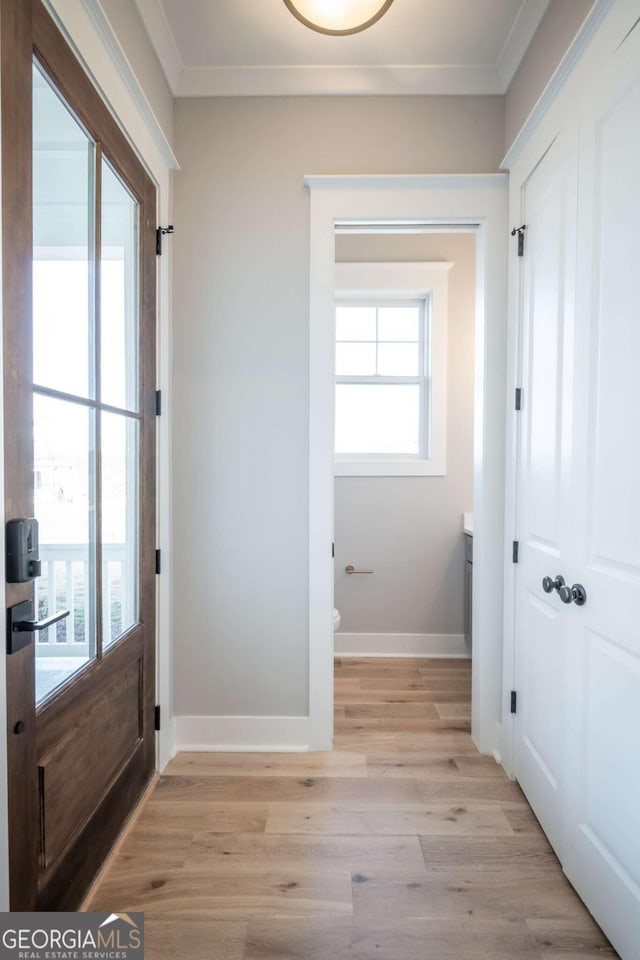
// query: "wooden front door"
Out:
[78,248]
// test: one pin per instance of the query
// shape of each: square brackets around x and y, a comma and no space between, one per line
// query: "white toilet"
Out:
[336,620]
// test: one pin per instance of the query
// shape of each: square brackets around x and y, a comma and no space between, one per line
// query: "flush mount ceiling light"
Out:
[338,18]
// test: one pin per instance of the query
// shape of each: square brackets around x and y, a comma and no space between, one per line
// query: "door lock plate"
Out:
[17,640]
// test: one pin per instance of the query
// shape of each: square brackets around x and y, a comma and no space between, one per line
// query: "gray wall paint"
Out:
[127,24]
[558,27]
[241,356]
[409,529]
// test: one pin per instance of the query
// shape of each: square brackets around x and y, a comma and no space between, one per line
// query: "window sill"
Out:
[389,468]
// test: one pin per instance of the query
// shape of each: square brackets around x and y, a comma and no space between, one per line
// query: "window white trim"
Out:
[419,281]
[477,204]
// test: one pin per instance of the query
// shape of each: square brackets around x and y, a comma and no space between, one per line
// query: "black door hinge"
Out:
[519,233]
[333,550]
[516,550]
[518,398]
[160,233]
[156,718]
[514,702]
[158,562]
[158,403]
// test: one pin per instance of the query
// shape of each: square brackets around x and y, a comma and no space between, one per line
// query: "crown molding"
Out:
[349,80]
[297,81]
[163,41]
[409,181]
[520,36]
[118,58]
[559,79]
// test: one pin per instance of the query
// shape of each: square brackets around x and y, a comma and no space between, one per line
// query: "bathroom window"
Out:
[381,382]
[386,347]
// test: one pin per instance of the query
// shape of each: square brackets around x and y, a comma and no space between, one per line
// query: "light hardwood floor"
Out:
[402,844]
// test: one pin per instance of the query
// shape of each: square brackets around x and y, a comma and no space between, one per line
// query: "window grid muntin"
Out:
[423,379]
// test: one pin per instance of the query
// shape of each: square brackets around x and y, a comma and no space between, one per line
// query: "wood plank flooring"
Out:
[402,844]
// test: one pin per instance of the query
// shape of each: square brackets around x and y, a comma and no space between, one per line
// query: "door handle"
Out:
[21,623]
[565,594]
[575,594]
[31,626]
[579,594]
[549,585]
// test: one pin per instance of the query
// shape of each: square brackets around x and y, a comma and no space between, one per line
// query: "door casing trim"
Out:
[478,203]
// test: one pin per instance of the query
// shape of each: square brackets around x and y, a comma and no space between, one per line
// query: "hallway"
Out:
[403,844]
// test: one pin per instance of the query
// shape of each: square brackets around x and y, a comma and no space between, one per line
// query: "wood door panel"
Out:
[80,761]
[75,776]
[15,91]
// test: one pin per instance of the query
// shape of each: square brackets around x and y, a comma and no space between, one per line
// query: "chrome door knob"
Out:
[549,585]
[566,593]
[579,594]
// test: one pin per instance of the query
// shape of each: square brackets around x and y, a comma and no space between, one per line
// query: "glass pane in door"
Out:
[119,297]
[63,245]
[63,481]
[64,205]
[120,550]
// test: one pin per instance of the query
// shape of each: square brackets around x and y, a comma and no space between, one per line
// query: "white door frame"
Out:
[479,203]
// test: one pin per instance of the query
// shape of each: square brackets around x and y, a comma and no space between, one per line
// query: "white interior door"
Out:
[602,853]
[549,202]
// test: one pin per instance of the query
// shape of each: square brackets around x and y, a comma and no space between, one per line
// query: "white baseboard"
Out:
[401,645]
[243,734]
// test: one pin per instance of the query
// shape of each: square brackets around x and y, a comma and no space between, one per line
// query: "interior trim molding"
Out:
[410,181]
[559,79]
[336,80]
[331,80]
[164,43]
[435,645]
[243,734]
[116,54]
[481,204]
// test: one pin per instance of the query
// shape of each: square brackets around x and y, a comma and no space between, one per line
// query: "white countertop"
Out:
[467,523]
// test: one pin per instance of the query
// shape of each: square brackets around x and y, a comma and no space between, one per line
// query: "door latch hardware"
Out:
[23,558]
[579,594]
[519,233]
[549,585]
[160,233]
[575,594]
[514,702]
[21,625]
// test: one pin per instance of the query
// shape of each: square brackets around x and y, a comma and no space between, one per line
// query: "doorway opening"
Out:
[405,317]
[430,206]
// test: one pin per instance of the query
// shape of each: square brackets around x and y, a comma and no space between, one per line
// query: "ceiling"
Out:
[256,47]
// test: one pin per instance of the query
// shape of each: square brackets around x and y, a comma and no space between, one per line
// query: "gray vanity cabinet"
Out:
[468,587]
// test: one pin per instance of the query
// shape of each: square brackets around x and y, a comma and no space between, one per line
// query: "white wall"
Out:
[241,366]
[409,529]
